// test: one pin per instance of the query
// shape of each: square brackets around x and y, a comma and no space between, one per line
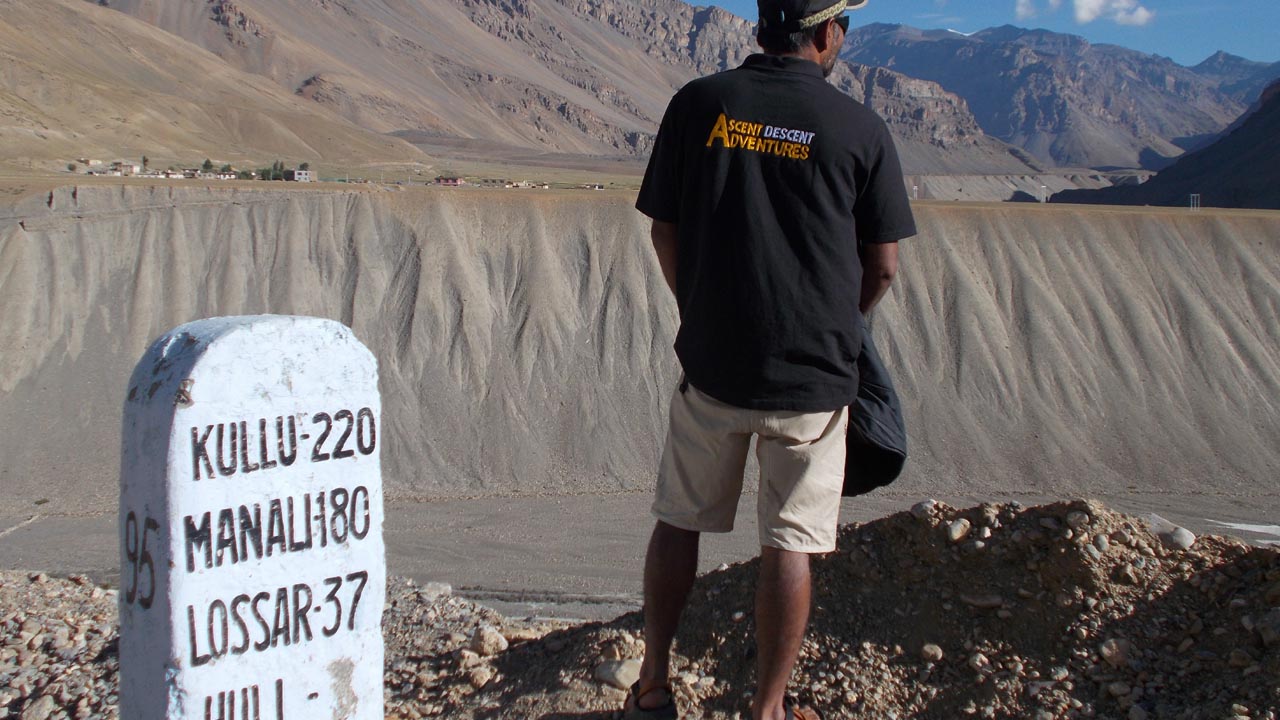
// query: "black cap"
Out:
[796,15]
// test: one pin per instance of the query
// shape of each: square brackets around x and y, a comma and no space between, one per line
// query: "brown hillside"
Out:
[106,86]
[582,77]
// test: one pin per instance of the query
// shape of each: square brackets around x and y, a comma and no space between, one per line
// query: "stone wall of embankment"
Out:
[524,337]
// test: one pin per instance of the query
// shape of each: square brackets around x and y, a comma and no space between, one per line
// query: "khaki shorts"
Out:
[801,470]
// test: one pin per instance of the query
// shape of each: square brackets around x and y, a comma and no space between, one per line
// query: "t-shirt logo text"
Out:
[761,138]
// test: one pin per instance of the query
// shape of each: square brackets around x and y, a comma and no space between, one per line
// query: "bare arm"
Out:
[879,265]
[664,239]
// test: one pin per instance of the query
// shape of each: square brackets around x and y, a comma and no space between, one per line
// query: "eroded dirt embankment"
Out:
[524,338]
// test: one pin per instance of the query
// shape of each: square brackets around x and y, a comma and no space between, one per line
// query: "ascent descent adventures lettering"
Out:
[761,138]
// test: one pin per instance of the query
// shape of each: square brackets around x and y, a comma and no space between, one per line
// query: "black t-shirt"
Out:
[773,178]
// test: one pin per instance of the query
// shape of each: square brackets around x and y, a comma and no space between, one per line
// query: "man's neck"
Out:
[808,52]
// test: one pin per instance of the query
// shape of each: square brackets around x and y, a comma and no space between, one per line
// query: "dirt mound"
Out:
[1066,610]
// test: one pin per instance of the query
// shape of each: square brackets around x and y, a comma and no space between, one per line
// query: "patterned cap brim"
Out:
[820,17]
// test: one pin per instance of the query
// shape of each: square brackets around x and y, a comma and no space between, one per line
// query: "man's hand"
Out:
[879,265]
[664,239]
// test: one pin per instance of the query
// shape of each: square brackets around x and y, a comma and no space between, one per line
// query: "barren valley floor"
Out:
[576,557]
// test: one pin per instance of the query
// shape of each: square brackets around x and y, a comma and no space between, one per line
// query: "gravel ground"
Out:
[995,611]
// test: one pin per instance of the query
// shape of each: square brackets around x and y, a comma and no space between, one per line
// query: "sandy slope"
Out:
[524,337]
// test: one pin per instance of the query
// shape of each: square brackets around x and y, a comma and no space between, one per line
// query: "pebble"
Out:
[1077,519]
[435,590]
[958,530]
[1127,574]
[931,653]
[1269,628]
[923,510]
[982,602]
[480,676]
[1180,539]
[45,706]
[1116,652]
[486,641]
[1239,659]
[618,673]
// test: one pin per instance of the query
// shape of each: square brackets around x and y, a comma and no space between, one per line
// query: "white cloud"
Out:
[1137,16]
[1124,12]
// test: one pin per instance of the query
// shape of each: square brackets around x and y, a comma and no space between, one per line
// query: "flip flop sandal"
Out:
[795,712]
[633,711]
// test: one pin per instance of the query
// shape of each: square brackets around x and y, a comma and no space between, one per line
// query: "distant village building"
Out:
[225,175]
[450,181]
[121,167]
[299,176]
[495,183]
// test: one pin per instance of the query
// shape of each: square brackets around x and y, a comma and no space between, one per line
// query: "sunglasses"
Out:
[843,22]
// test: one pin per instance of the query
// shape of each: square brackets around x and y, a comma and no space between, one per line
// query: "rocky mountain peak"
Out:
[1223,62]
[1061,98]
[1045,41]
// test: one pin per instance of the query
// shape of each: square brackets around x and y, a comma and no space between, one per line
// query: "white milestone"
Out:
[253,570]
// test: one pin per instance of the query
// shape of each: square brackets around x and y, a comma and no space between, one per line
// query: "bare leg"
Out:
[669,570]
[782,612]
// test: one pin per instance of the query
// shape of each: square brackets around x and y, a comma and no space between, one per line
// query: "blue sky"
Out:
[1186,30]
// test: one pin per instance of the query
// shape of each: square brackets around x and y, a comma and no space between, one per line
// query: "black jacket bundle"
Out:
[876,444]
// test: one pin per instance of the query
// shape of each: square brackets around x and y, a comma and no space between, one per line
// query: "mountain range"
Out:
[379,81]
[1067,101]
[1241,170]
[558,76]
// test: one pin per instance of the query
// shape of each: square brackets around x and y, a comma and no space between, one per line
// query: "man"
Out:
[764,183]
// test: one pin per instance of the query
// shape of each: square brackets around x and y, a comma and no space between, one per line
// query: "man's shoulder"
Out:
[714,82]
[853,109]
